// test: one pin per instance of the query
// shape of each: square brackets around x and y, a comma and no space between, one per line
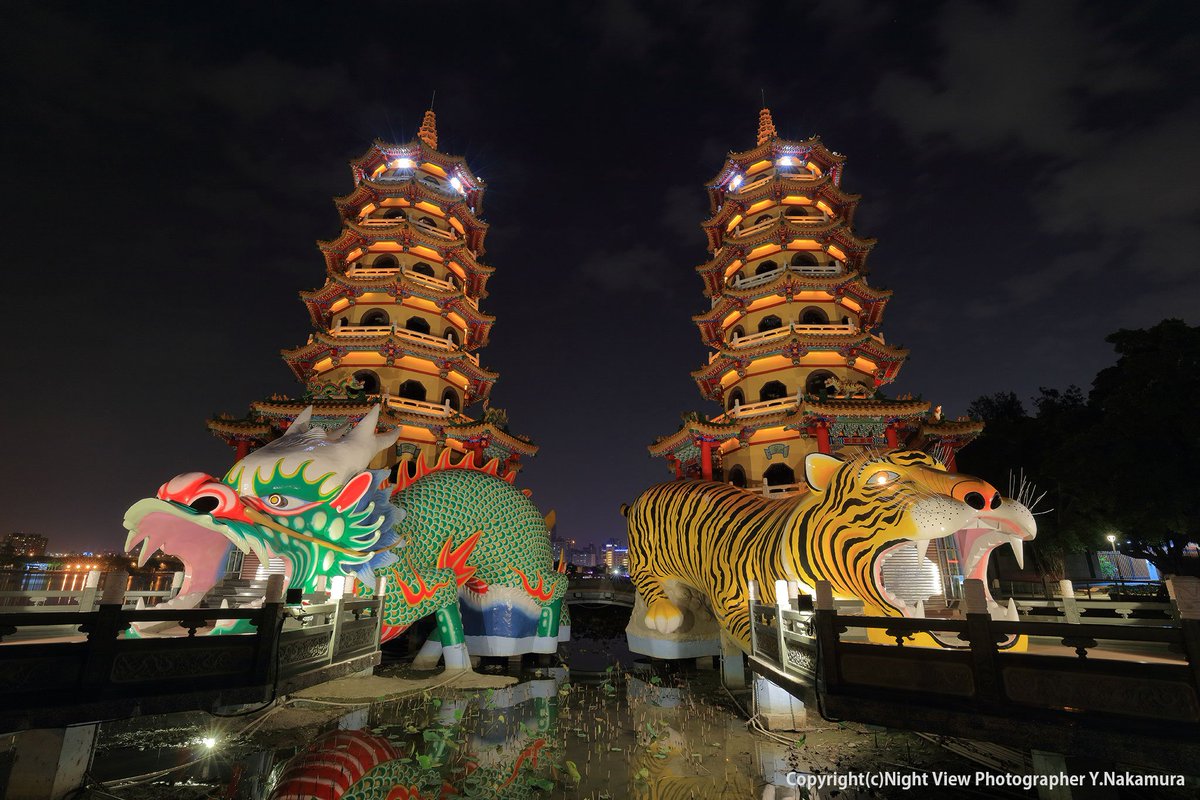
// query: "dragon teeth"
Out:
[145,553]
[259,549]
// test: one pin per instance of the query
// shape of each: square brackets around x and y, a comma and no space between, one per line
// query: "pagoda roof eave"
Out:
[778,146]
[370,190]
[716,432]
[824,186]
[321,344]
[509,441]
[382,151]
[951,428]
[852,283]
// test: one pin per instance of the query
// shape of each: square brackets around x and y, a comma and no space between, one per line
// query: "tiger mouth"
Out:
[914,577]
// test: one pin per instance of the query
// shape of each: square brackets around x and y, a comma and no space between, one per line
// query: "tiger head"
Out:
[869,530]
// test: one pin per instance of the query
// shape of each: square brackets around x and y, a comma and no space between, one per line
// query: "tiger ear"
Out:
[819,469]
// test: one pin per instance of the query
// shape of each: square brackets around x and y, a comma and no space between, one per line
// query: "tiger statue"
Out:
[855,516]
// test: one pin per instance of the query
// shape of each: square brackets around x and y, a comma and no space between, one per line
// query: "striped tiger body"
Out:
[716,538]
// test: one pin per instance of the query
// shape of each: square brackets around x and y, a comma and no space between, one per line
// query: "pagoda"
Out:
[797,356]
[397,321]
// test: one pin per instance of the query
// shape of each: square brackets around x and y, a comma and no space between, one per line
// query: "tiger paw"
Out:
[664,616]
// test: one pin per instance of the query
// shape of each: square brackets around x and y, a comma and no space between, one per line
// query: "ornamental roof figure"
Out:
[766,127]
[428,131]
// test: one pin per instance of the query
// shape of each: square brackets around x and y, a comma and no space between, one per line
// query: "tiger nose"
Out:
[977,494]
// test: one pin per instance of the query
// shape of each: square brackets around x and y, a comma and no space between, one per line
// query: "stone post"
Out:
[752,595]
[91,583]
[825,628]
[1070,604]
[983,644]
[50,762]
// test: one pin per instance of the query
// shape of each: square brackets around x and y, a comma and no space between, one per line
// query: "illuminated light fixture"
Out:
[456,183]
[208,742]
[735,182]
[404,163]
[786,161]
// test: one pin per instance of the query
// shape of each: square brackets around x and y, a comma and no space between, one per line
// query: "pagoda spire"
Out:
[766,127]
[428,131]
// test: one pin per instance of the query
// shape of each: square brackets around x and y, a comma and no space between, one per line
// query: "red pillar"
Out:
[706,460]
[893,440]
[823,438]
[243,448]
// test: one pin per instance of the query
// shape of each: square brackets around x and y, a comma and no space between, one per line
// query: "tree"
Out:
[1123,461]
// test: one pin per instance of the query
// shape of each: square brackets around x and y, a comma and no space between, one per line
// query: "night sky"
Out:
[1030,170]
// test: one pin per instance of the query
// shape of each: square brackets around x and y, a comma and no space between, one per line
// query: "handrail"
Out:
[761,407]
[826,329]
[814,270]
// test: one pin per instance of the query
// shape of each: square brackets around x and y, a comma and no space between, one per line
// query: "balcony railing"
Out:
[781,489]
[753,185]
[357,271]
[420,407]
[436,283]
[380,222]
[807,219]
[811,270]
[762,407]
[826,329]
[425,226]
[761,226]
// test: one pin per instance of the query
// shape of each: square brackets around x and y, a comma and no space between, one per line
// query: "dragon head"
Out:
[306,498]
[870,530]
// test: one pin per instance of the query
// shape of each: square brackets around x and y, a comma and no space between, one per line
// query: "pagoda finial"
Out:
[428,131]
[766,127]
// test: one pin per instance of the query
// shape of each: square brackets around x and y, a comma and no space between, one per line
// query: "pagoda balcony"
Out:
[809,270]
[748,187]
[357,271]
[761,226]
[380,222]
[815,219]
[436,231]
[826,329]
[420,407]
[436,283]
[757,409]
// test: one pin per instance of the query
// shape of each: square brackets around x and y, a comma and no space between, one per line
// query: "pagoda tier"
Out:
[797,358]
[346,301]
[397,321]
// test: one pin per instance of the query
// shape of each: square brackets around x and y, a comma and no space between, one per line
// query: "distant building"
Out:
[25,544]
[584,556]
[615,555]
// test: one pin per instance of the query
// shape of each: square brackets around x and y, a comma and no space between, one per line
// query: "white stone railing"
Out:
[779,490]
[425,226]
[807,219]
[436,283]
[826,329]
[420,407]
[357,271]
[761,226]
[380,222]
[762,407]
[818,270]
[753,185]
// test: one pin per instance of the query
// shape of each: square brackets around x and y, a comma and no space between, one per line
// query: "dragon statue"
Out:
[864,524]
[455,540]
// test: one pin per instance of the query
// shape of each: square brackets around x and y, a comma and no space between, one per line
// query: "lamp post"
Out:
[1112,541]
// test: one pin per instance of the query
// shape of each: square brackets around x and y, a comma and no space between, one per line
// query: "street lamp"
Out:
[1112,541]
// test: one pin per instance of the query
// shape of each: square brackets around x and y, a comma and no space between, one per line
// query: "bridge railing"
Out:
[981,668]
[85,598]
[114,672]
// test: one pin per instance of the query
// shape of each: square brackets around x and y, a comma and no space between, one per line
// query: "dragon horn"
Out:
[300,424]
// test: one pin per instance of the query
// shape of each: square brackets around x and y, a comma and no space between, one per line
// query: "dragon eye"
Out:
[280,501]
[883,478]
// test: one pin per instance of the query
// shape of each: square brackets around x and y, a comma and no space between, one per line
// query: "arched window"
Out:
[737,333]
[769,323]
[813,316]
[737,476]
[344,321]
[735,398]
[422,268]
[765,267]
[779,475]
[763,218]
[772,390]
[418,324]
[805,258]
[450,398]
[816,382]
[369,381]
[392,213]
[385,261]
[376,316]
[451,335]
[411,390]
[428,221]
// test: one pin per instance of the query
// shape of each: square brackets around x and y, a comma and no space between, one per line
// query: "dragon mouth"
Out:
[906,574]
[197,540]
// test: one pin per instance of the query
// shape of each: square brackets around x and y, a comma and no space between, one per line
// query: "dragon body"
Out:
[456,539]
